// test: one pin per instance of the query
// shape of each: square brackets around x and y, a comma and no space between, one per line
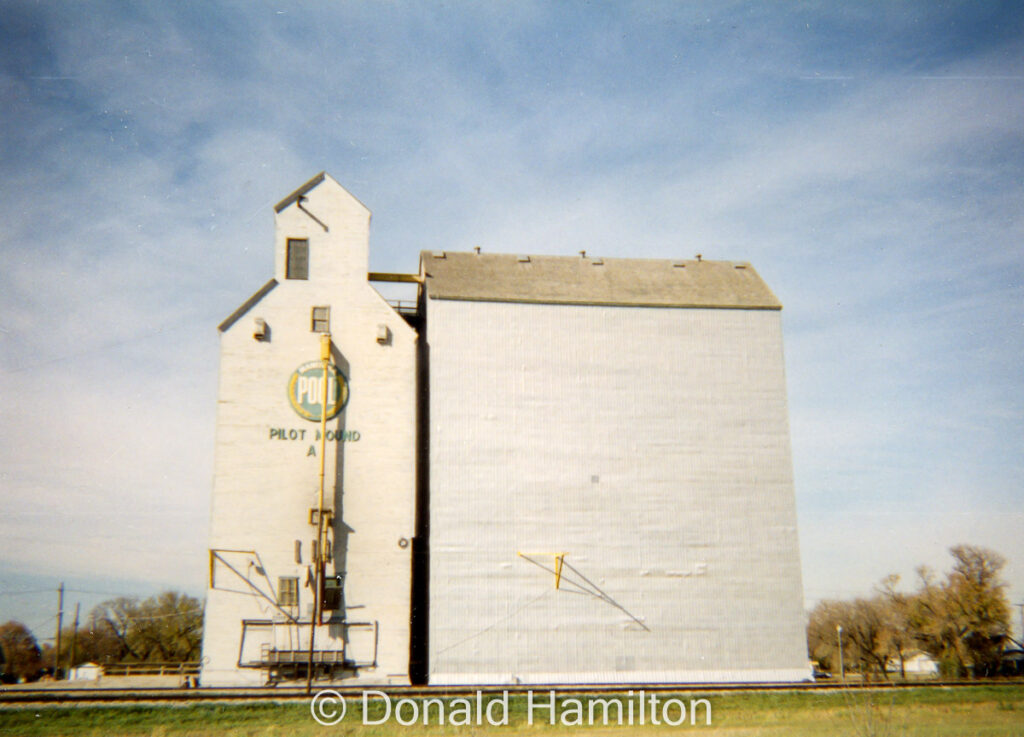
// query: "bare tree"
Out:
[901,640]
[822,639]
[117,616]
[169,627]
[961,620]
[166,628]
[868,630]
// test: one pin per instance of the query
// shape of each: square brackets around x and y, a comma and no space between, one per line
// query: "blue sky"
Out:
[868,160]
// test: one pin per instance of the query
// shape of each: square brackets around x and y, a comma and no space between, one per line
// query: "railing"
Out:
[190,668]
[268,643]
[404,306]
[290,657]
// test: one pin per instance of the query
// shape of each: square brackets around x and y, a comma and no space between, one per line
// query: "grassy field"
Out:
[982,711]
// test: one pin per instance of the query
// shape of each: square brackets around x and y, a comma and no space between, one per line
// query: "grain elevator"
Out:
[552,469]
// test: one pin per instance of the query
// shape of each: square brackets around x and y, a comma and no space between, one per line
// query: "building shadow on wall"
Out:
[337,567]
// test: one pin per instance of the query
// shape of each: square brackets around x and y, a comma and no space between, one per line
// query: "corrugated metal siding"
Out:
[652,446]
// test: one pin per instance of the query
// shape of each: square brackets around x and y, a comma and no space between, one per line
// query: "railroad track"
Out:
[82,696]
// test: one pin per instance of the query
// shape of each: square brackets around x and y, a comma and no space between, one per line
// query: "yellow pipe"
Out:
[384,276]
[325,356]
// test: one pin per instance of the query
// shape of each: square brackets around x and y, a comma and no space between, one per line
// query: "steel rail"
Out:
[26,696]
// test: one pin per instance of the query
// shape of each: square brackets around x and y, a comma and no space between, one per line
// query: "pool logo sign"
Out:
[305,390]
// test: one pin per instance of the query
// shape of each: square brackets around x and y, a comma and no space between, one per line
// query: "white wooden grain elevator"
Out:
[553,470]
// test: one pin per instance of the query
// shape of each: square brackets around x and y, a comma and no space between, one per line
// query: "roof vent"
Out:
[439,254]
[523,259]
[699,258]
[740,266]
[679,264]
[476,250]
[583,254]
[597,262]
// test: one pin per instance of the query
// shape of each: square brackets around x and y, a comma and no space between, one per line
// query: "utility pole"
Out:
[60,621]
[839,637]
[74,638]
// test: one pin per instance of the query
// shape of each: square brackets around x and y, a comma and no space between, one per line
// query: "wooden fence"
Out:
[151,669]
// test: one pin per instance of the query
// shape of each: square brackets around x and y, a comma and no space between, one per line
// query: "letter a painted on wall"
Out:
[305,390]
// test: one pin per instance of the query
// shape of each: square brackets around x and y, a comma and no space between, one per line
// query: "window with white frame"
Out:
[321,320]
[288,591]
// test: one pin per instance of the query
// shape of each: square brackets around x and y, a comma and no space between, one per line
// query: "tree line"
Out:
[166,628]
[961,620]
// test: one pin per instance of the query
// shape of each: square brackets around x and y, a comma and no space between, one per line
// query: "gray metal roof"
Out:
[594,281]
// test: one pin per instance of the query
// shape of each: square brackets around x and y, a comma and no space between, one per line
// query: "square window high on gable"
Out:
[297,266]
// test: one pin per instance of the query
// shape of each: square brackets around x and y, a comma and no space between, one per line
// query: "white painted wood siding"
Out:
[264,487]
[652,446]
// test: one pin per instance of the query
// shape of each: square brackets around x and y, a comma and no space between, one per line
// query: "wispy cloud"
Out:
[867,161]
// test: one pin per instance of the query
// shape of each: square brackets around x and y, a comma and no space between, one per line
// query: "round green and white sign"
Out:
[305,390]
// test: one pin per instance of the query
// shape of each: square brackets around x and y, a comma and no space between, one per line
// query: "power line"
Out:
[43,623]
[28,591]
[165,616]
[102,593]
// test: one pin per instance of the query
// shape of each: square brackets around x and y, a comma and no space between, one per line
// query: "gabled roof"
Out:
[300,191]
[312,184]
[247,305]
[594,281]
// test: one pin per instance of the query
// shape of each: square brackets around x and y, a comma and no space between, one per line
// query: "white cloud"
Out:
[883,206]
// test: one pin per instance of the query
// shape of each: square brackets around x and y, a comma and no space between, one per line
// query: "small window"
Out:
[321,320]
[298,259]
[287,591]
